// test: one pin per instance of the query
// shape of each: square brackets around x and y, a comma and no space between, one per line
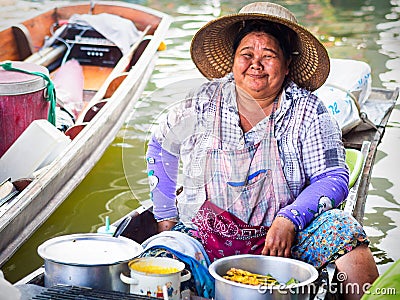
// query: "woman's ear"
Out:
[287,65]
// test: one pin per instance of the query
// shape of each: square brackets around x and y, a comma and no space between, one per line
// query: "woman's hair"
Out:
[286,37]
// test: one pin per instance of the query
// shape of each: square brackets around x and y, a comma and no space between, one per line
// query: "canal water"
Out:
[367,30]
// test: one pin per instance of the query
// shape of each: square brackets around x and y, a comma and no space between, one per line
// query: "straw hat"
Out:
[211,48]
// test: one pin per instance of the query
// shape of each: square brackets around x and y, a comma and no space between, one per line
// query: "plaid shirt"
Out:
[309,140]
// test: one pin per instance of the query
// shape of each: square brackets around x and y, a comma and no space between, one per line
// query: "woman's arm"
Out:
[322,158]
[172,140]
[162,169]
[326,191]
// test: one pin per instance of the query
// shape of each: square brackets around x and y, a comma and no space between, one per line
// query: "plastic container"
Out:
[22,100]
[35,148]
[354,161]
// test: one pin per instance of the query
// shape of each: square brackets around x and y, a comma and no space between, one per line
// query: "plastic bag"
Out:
[347,88]
[68,82]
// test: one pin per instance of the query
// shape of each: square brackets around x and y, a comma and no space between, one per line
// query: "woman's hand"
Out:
[280,238]
[165,225]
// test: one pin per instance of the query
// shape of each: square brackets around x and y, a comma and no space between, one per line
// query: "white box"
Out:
[35,148]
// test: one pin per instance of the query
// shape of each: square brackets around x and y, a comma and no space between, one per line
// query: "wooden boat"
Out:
[109,93]
[140,224]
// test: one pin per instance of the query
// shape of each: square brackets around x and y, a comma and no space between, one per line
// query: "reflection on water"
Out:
[382,212]
[367,30]
[389,41]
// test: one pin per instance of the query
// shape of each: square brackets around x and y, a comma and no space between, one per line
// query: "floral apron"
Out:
[244,191]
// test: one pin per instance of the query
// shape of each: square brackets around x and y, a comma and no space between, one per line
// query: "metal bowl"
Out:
[282,269]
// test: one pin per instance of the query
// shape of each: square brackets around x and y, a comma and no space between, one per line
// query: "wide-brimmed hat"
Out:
[211,48]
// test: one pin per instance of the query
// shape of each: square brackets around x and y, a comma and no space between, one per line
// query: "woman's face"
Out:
[259,66]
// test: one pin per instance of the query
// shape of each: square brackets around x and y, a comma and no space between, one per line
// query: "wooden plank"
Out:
[390,96]
[39,27]
[9,48]
[47,56]
[95,76]
[352,197]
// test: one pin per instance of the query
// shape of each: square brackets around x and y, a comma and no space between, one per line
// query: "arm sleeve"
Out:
[162,170]
[325,191]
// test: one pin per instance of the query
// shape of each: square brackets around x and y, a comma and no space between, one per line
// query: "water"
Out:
[357,29]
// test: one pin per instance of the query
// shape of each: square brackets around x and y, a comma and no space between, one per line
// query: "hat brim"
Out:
[211,50]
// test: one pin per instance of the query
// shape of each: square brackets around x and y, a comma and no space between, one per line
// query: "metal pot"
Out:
[282,269]
[88,260]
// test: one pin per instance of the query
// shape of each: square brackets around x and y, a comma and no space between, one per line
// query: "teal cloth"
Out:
[50,89]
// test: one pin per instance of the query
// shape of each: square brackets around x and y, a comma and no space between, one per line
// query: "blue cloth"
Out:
[204,282]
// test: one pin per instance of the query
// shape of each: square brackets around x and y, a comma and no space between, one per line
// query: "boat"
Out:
[363,140]
[110,89]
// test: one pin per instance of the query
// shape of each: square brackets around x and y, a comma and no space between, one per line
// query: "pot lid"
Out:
[89,249]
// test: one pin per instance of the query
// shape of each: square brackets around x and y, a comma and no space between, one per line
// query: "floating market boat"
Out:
[115,45]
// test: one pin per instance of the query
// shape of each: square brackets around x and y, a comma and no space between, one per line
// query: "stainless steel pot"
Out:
[88,260]
[282,269]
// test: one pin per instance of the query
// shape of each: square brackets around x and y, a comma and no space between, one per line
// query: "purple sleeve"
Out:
[325,191]
[162,170]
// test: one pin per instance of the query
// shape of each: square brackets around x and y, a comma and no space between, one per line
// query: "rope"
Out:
[51,92]
[351,95]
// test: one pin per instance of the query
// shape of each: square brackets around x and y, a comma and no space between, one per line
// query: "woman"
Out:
[263,164]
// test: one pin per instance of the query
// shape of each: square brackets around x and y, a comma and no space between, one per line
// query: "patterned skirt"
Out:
[331,235]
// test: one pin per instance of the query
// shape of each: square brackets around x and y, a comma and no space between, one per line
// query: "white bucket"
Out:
[166,283]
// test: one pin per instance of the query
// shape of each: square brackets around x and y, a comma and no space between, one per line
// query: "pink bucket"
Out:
[22,100]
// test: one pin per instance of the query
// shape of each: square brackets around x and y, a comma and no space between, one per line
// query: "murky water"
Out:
[358,29]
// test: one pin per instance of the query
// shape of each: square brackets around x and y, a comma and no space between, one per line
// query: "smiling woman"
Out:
[260,152]
[358,29]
